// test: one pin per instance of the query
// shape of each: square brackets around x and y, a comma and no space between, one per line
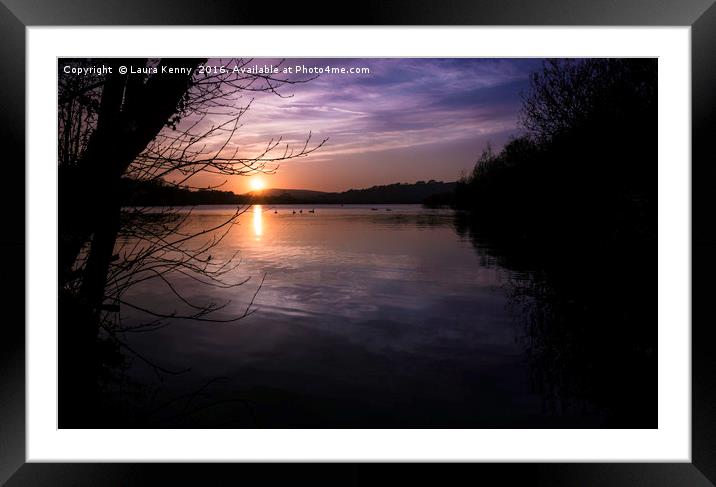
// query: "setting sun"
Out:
[257,184]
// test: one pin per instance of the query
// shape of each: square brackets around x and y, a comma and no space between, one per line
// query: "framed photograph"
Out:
[442,233]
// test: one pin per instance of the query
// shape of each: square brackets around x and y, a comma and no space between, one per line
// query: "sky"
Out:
[404,121]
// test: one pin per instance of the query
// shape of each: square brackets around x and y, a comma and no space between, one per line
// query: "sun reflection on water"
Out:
[258,221]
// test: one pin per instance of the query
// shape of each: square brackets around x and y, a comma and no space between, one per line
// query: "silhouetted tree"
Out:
[145,127]
[587,156]
[568,94]
[165,122]
[570,206]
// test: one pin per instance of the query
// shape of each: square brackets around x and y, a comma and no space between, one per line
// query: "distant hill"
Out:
[299,194]
[397,193]
[433,193]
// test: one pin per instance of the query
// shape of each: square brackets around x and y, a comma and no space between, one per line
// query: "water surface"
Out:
[368,316]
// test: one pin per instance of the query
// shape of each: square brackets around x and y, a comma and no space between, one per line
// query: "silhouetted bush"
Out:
[571,208]
[586,165]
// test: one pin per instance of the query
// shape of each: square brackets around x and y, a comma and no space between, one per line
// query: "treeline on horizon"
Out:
[159,193]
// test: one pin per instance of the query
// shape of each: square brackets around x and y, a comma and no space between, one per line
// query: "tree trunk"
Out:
[102,248]
[133,110]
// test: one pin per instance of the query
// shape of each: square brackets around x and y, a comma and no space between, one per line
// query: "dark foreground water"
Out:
[390,317]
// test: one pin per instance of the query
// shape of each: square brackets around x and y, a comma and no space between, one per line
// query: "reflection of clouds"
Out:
[355,265]
[350,265]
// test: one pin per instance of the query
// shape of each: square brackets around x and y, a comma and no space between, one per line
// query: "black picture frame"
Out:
[700,15]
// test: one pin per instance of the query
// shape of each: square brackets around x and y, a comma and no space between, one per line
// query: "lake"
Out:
[368,316]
